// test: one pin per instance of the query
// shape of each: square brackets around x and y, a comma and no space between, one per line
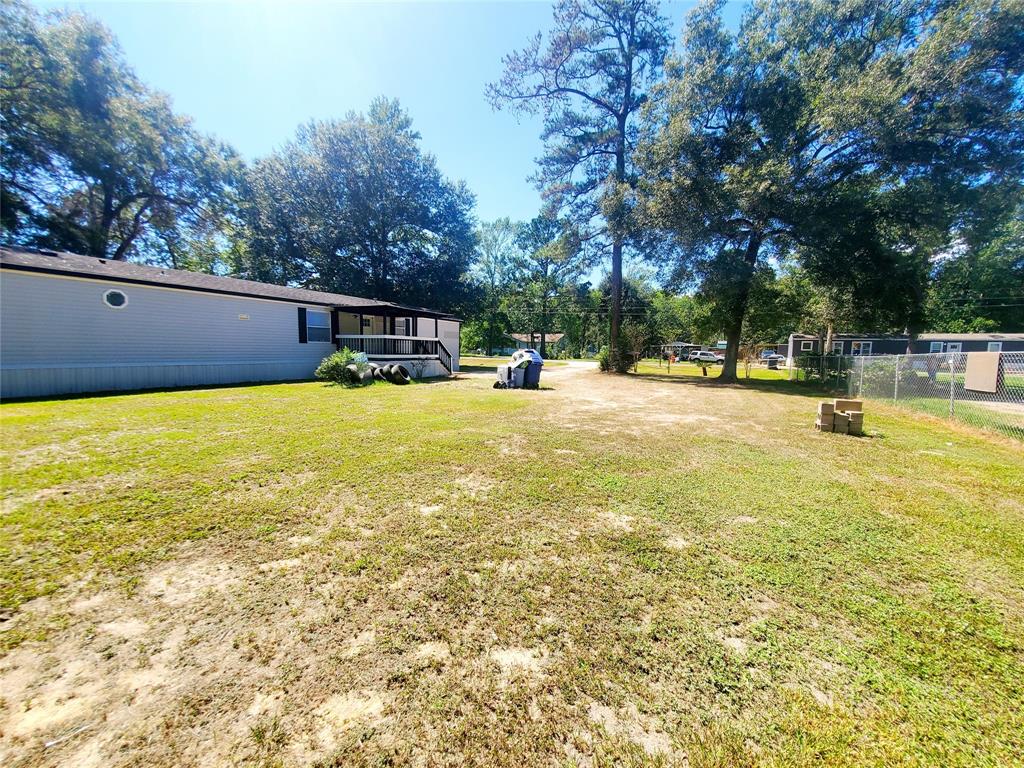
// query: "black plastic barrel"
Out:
[531,377]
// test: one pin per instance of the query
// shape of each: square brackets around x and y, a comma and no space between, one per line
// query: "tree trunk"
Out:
[543,327]
[100,237]
[616,309]
[732,347]
[620,176]
[734,329]
[490,330]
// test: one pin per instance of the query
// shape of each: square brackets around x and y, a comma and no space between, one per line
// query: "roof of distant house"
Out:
[923,336]
[550,338]
[76,265]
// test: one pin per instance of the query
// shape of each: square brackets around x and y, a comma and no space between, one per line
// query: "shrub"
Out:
[617,360]
[343,367]
[621,361]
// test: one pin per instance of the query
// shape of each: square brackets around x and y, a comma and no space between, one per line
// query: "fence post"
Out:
[896,386]
[952,386]
[860,390]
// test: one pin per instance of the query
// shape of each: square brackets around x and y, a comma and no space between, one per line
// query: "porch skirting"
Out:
[43,380]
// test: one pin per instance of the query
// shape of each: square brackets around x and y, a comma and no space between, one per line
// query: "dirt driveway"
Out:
[580,396]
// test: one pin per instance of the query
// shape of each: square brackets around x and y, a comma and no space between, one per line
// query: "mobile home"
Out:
[72,323]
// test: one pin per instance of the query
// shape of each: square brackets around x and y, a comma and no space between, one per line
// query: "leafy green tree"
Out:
[578,317]
[673,317]
[637,307]
[981,289]
[635,335]
[94,162]
[280,228]
[495,269]
[355,206]
[550,258]
[590,79]
[853,135]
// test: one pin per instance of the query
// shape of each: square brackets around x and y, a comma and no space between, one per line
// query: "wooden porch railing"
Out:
[444,356]
[397,347]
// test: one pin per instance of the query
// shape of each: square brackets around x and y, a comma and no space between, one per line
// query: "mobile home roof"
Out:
[73,264]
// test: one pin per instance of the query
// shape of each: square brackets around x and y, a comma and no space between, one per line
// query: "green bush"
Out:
[337,367]
[617,360]
[620,360]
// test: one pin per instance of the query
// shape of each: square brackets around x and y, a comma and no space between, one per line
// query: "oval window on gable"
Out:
[115,299]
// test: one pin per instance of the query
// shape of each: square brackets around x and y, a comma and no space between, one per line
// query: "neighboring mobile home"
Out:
[925,343]
[71,323]
[516,341]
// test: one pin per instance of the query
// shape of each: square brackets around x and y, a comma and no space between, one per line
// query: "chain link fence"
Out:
[934,384]
[829,371]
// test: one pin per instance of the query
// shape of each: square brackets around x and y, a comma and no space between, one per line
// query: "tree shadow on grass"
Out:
[158,390]
[206,387]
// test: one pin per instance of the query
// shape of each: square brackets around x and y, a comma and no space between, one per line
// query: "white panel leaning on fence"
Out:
[939,384]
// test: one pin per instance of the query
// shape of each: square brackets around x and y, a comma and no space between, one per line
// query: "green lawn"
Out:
[615,571]
[761,373]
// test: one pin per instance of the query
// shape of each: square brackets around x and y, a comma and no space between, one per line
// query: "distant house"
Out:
[71,323]
[514,341]
[532,340]
[880,344]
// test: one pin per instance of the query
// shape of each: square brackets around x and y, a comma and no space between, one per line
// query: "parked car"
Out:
[703,356]
[774,356]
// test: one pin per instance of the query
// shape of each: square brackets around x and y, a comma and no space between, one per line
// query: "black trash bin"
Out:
[531,377]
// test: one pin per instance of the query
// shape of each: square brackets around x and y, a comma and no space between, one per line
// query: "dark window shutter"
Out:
[302,325]
[335,328]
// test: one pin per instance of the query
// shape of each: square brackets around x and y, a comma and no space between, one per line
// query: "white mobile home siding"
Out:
[448,333]
[57,336]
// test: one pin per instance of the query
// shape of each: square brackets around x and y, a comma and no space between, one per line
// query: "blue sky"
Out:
[251,72]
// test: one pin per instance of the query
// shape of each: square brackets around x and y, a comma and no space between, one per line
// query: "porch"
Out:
[398,334]
[398,348]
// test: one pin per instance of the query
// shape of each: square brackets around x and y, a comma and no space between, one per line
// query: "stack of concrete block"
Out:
[856,422]
[826,415]
[842,416]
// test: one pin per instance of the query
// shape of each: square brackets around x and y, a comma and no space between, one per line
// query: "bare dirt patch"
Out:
[432,651]
[627,722]
[281,565]
[474,486]
[736,644]
[344,711]
[513,661]
[617,521]
[361,643]
[178,584]
[124,628]
[678,543]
